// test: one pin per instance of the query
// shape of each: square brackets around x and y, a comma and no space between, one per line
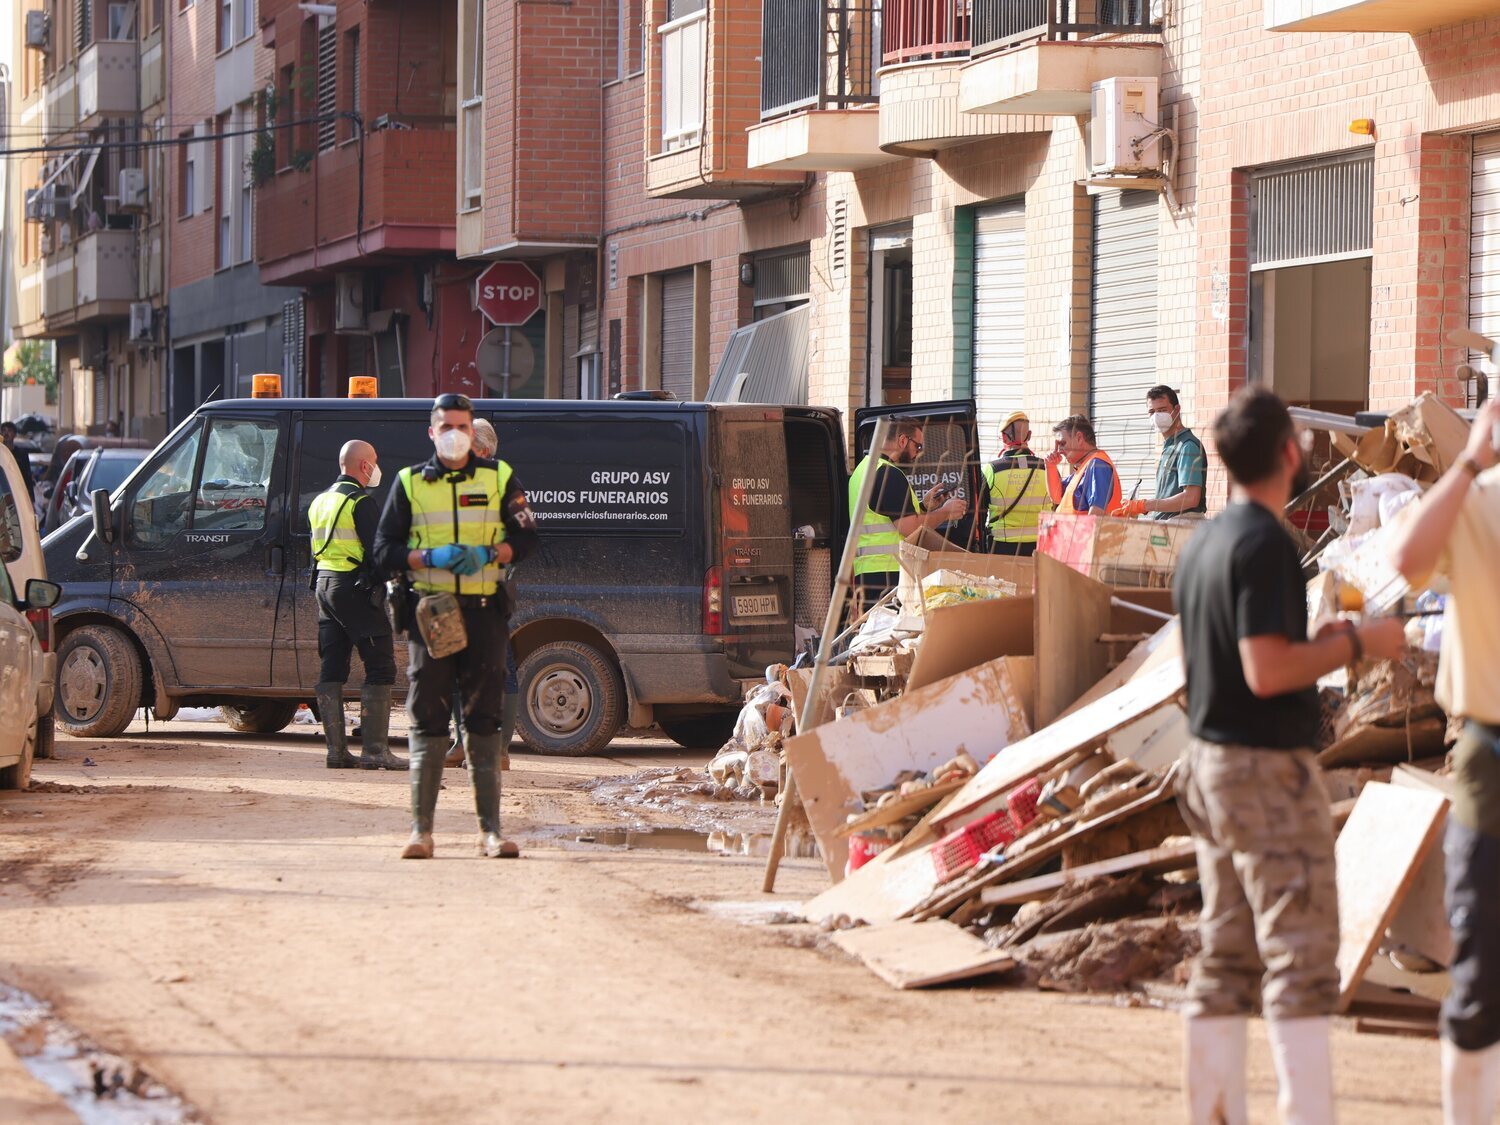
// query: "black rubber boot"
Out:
[331,712]
[484,772]
[508,708]
[426,778]
[375,720]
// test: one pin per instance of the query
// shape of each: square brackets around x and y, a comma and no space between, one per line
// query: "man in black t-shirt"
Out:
[1250,788]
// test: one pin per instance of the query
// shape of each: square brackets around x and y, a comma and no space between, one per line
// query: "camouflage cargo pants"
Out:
[1270,925]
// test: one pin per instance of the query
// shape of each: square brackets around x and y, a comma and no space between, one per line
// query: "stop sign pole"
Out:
[508,294]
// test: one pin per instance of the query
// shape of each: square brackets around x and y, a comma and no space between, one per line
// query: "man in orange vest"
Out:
[1094,486]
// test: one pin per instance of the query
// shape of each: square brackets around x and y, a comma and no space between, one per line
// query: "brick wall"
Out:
[191,47]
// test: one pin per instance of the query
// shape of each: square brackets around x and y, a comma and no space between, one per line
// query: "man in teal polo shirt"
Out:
[1182,472]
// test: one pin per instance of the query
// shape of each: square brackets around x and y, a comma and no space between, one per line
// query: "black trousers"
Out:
[347,619]
[476,675]
[1023,549]
[1471,1010]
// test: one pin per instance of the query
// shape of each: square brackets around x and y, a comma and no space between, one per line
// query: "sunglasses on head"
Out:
[452,401]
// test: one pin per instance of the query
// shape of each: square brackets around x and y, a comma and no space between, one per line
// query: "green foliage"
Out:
[30,361]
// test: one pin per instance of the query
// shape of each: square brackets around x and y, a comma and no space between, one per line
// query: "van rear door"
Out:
[748,592]
[950,455]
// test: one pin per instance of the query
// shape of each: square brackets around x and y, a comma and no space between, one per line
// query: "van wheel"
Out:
[699,732]
[259,716]
[572,700]
[98,682]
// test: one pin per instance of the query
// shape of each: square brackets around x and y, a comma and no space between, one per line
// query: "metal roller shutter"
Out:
[1484,243]
[999,317]
[1122,354]
[677,334]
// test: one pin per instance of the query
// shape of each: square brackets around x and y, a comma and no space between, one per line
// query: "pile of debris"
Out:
[1010,807]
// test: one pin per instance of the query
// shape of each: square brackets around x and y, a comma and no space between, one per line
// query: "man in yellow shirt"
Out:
[1455,530]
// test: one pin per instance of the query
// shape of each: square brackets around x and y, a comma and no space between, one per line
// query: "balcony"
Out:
[60,95]
[28,320]
[817,87]
[306,220]
[1043,57]
[90,280]
[153,69]
[1410,16]
[108,83]
[703,94]
[925,50]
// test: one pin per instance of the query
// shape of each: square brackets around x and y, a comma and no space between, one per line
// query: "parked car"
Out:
[65,497]
[86,471]
[685,547]
[26,635]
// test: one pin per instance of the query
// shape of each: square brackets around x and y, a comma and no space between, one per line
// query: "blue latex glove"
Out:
[447,558]
[474,560]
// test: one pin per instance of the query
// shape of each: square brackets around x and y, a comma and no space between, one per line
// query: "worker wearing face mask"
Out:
[350,615]
[1182,472]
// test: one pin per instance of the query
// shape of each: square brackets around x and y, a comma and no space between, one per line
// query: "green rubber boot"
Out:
[509,706]
[375,721]
[426,779]
[331,712]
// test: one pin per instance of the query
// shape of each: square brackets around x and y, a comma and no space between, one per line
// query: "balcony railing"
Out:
[1004,23]
[817,53]
[915,30]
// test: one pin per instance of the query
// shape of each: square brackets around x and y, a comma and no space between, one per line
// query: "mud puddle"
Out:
[100,1087]
[690,796]
[694,841]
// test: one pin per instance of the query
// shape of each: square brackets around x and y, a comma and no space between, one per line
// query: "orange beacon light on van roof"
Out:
[363,386]
[265,386]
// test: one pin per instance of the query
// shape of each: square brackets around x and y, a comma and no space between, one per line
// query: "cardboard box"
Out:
[1117,552]
[922,557]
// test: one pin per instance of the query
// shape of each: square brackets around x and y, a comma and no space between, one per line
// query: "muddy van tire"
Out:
[259,716]
[99,679]
[707,731]
[572,700]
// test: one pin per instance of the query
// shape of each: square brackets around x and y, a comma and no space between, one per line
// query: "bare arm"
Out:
[1276,665]
[1420,542]
[1185,501]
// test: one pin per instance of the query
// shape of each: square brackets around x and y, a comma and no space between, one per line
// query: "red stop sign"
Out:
[508,293]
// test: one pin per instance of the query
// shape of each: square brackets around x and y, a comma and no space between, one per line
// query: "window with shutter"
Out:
[327,86]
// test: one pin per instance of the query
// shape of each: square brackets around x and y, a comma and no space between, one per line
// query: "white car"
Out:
[28,667]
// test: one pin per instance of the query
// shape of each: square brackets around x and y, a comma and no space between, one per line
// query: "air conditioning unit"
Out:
[142,322]
[45,205]
[132,195]
[37,30]
[350,303]
[1123,129]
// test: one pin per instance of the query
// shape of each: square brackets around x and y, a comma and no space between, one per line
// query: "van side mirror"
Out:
[41,594]
[104,519]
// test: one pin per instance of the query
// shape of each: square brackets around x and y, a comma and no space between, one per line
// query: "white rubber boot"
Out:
[1304,1069]
[1214,1069]
[1471,1084]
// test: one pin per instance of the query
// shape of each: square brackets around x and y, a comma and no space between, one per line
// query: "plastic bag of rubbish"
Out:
[768,708]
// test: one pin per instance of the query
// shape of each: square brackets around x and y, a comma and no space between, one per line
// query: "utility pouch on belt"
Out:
[441,624]
[398,604]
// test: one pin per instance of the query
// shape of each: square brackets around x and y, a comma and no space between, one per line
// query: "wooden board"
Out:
[1168,857]
[921,954]
[902,807]
[960,637]
[1164,645]
[1422,739]
[1086,727]
[883,890]
[1421,922]
[1071,612]
[978,711]
[1378,854]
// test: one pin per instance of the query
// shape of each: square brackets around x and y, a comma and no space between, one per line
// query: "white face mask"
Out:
[452,445]
[374,478]
[1163,420]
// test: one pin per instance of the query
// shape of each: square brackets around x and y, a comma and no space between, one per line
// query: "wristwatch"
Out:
[1469,465]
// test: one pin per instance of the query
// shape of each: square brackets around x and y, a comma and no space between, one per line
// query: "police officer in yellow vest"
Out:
[1016,490]
[342,521]
[452,524]
[893,512]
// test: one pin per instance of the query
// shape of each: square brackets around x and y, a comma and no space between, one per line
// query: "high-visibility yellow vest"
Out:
[335,542]
[457,509]
[878,537]
[1018,497]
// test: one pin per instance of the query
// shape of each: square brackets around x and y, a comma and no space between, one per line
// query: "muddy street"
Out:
[232,918]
